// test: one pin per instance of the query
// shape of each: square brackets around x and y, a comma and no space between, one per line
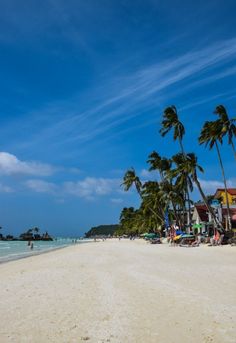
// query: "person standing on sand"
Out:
[172,234]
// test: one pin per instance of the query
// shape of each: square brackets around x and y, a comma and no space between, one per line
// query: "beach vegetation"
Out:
[166,199]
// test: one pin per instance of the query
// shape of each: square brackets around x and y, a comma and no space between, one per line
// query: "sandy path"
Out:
[120,291]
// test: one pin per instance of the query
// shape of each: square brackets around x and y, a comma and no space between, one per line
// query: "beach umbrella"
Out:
[187,236]
[150,235]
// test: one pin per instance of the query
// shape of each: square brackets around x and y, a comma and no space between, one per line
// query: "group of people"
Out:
[174,235]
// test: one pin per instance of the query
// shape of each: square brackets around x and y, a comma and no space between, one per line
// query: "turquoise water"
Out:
[13,250]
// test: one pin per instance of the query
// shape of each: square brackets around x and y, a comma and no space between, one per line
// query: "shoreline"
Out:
[120,291]
[35,253]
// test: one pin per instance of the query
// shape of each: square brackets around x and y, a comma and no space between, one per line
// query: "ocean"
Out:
[14,250]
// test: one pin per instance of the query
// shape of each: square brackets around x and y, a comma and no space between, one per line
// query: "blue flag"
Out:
[167,224]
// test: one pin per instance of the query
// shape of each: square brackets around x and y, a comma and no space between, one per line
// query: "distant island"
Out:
[102,230]
[29,235]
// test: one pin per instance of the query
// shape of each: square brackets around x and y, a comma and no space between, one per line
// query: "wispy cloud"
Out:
[126,98]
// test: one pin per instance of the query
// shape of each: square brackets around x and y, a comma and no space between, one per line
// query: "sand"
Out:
[120,291]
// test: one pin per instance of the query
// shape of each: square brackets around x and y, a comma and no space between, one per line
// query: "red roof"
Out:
[231,191]
[202,212]
[232,211]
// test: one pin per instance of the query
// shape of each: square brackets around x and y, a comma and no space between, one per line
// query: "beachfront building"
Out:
[200,218]
[221,196]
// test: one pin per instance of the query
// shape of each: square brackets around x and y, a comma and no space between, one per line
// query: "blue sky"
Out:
[82,92]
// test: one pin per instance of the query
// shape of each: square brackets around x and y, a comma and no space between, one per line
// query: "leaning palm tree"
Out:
[211,135]
[130,179]
[191,166]
[228,127]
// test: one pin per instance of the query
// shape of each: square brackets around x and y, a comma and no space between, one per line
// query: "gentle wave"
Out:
[13,250]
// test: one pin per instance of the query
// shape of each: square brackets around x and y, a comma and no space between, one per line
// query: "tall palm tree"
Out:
[190,166]
[228,127]
[211,135]
[171,121]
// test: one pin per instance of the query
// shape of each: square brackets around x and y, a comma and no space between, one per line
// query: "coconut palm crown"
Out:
[171,121]
[228,127]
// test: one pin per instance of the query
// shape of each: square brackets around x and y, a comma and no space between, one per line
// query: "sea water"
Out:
[13,250]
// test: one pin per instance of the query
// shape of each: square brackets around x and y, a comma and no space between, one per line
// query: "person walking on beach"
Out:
[172,235]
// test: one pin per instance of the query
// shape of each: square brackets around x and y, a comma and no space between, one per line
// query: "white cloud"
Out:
[90,186]
[87,188]
[10,164]
[210,186]
[41,186]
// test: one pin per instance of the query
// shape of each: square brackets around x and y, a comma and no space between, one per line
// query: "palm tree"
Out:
[151,201]
[191,166]
[228,127]
[171,121]
[162,164]
[210,135]
[171,197]
[183,182]
[130,179]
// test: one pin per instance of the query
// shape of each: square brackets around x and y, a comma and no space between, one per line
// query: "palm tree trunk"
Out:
[189,211]
[233,147]
[187,190]
[157,215]
[181,145]
[210,210]
[225,186]
[175,213]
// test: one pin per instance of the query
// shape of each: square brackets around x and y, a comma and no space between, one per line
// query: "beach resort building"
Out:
[221,196]
[202,220]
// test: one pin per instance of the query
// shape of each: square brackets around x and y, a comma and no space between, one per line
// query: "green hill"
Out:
[102,230]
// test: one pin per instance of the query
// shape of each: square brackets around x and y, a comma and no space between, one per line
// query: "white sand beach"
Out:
[120,291]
